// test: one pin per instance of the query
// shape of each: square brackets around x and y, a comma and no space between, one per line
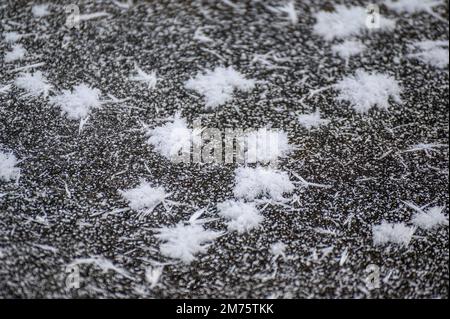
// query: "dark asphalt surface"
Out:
[360,156]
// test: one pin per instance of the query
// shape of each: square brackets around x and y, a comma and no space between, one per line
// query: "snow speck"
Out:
[77,104]
[431,218]
[346,22]
[40,10]
[218,85]
[144,198]
[398,233]
[183,241]
[312,120]
[171,138]
[251,183]
[8,169]
[17,53]
[240,216]
[365,90]
[35,84]
[431,52]
[348,48]
[149,79]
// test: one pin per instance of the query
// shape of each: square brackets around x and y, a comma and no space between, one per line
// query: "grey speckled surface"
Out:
[158,35]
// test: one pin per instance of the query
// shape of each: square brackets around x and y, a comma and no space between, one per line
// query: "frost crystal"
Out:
[431,218]
[251,183]
[365,90]
[34,84]
[399,234]
[171,138]
[8,169]
[183,242]
[348,48]
[153,275]
[345,22]
[265,145]
[144,198]
[150,79]
[217,86]
[289,10]
[77,104]
[12,36]
[430,52]
[312,120]
[17,53]
[411,6]
[278,249]
[40,10]
[241,217]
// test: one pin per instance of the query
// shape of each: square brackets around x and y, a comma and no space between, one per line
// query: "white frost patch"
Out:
[288,9]
[17,53]
[149,79]
[8,169]
[311,120]
[217,86]
[365,90]
[348,48]
[35,84]
[251,183]
[171,138]
[430,218]
[398,233]
[431,52]
[242,217]
[264,145]
[40,10]
[183,242]
[77,104]
[345,22]
[144,198]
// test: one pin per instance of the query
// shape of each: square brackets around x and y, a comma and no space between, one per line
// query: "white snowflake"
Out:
[8,169]
[365,90]
[144,198]
[217,86]
[35,84]
[312,120]
[149,79]
[398,233]
[251,183]
[78,103]
[241,217]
